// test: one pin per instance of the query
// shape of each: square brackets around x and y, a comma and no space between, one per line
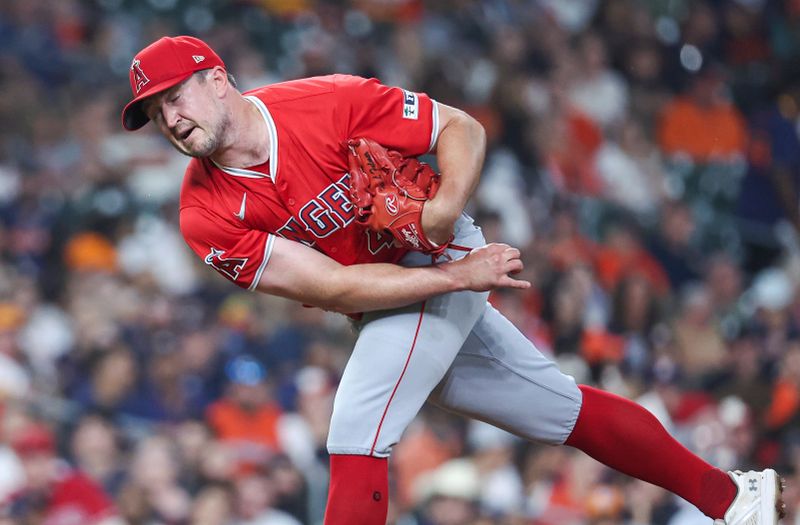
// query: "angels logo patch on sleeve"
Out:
[229,267]
[410,105]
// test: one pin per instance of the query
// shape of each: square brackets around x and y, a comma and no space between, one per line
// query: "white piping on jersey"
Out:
[267,254]
[273,146]
[241,172]
[435,128]
[273,135]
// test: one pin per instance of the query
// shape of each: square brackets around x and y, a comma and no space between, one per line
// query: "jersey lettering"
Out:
[335,198]
[317,218]
[330,211]
[294,231]
[377,241]
[229,267]
[344,182]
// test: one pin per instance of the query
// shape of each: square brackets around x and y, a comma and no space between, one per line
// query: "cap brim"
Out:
[133,117]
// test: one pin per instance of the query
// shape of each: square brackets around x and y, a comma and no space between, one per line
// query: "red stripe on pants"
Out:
[399,379]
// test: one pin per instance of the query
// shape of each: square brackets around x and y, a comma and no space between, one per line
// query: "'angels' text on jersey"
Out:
[329,211]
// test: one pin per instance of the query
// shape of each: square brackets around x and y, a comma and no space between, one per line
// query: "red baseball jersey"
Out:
[230,216]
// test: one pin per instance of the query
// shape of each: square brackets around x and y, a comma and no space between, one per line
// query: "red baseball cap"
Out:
[33,439]
[164,63]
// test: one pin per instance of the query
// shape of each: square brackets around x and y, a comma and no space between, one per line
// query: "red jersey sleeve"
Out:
[393,117]
[240,254]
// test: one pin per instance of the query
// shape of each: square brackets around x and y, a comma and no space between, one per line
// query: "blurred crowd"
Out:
[644,155]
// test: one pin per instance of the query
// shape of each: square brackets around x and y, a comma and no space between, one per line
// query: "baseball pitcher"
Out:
[310,190]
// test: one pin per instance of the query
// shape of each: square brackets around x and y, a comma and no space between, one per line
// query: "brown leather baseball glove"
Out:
[389,192]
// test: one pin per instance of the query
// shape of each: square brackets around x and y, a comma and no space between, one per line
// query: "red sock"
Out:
[628,438]
[359,490]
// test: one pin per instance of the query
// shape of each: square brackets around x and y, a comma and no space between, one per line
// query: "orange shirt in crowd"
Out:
[704,133]
[613,265]
[785,404]
[231,422]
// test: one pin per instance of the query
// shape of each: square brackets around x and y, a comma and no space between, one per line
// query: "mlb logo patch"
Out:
[410,105]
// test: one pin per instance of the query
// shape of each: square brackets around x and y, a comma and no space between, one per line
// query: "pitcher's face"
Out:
[190,115]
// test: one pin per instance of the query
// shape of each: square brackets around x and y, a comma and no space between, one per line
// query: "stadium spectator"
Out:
[55,492]
[96,452]
[246,418]
[255,497]
[153,490]
[631,169]
[702,123]
[598,91]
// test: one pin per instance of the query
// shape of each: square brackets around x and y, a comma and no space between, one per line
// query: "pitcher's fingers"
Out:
[514,266]
[497,248]
[512,253]
[509,282]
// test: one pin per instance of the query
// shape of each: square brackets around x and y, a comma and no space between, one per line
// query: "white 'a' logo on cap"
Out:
[198,58]
[139,78]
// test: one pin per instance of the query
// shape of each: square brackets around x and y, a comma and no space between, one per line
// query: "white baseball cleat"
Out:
[758,501]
